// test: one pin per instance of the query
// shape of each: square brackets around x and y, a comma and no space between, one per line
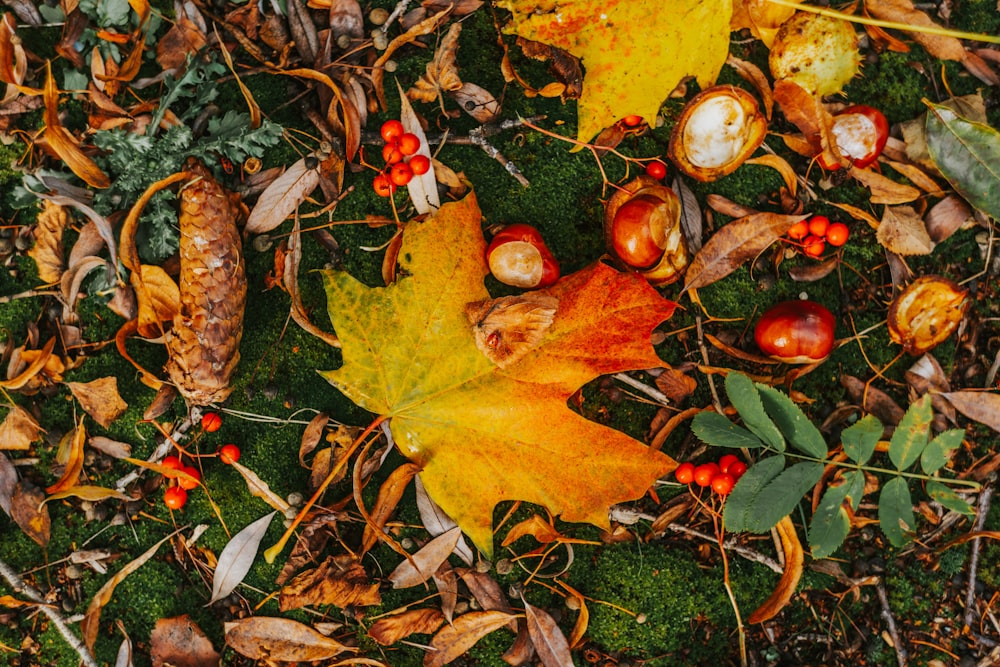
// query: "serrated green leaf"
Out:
[782,494]
[910,437]
[948,498]
[855,481]
[860,439]
[741,502]
[793,423]
[747,401]
[895,511]
[968,154]
[719,431]
[938,451]
[830,523]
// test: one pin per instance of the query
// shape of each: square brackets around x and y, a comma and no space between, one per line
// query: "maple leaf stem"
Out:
[272,553]
[926,29]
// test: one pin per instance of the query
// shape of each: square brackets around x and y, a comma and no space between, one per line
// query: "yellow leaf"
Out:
[19,429]
[634,52]
[63,143]
[794,558]
[100,398]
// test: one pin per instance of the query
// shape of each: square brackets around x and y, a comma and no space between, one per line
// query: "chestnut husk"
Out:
[926,313]
[675,258]
[752,133]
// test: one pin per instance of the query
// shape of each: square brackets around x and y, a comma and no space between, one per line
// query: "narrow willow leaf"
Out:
[238,557]
[968,154]
[793,423]
[548,639]
[782,494]
[717,430]
[910,437]
[860,439]
[747,401]
[741,502]
[948,498]
[855,480]
[938,451]
[830,523]
[895,511]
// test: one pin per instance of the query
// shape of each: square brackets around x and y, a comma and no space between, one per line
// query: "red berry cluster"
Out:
[398,170]
[175,496]
[814,234]
[721,476]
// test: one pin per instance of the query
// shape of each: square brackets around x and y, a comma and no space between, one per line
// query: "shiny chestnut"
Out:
[518,256]
[796,332]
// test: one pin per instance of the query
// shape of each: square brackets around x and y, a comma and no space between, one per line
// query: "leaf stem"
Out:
[926,29]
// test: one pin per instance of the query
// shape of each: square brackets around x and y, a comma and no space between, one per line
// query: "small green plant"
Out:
[773,486]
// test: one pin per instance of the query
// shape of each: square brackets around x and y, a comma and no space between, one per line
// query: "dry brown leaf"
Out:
[813,271]
[548,639]
[28,510]
[259,488]
[312,436]
[42,368]
[90,624]
[48,249]
[916,176]
[389,495]
[446,583]
[88,492]
[477,102]
[314,534]
[980,406]
[563,65]
[390,629]
[113,448]
[183,39]
[579,632]
[858,214]
[425,562]
[70,454]
[903,11]
[948,216]
[507,328]
[179,642]
[873,400]
[903,232]
[281,640]
[753,74]
[290,276]
[783,592]
[676,385]
[281,199]
[763,18]
[780,165]
[100,399]
[806,112]
[737,242]
[441,73]
[8,482]
[424,27]
[19,429]
[63,143]
[339,580]
[455,639]
[884,189]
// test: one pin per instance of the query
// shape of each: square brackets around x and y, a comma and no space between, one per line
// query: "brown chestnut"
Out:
[796,332]
[642,229]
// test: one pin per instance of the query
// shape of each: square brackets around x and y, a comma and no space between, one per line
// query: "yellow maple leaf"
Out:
[634,52]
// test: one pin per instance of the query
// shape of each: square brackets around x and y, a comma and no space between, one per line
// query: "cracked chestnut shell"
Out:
[926,313]
[643,231]
[717,131]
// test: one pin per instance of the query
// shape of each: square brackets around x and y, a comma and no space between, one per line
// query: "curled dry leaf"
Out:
[238,557]
[441,73]
[70,454]
[536,526]
[281,640]
[734,244]
[312,436]
[340,580]
[93,494]
[179,642]
[100,399]
[783,592]
[454,640]
[48,249]
[62,142]
[390,629]
[926,313]
[437,521]
[8,482]
[425,562]
[904,12]
[902,231]
[19,429]
[389,495]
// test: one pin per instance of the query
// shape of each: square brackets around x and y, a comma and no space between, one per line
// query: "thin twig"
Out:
[982,509]
[478,138]
[396,13]
[749,554]
[27,295]
[654,394]
[161,450]
[704,357]
[890,624]
[23,588]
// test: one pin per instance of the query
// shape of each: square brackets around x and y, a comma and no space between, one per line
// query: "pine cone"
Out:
[205,339]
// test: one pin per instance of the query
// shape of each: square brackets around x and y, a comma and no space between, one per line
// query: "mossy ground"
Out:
[675,583]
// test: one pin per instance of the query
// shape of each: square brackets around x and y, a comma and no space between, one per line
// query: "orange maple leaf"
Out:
[482,433]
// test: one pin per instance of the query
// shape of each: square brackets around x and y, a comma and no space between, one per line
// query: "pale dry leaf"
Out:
[423,188]
[507,328]
[692,220]
[283,196]
[72,282]
[259,488]
[549,641]
[114,448]
[237,557]
[390,629]
[884,190]
[100,399]
[8,482]
[980,406]
[903,232]
[454,640]
[479,102]
[904,12]
[446,582]
[425,561]
[346,18]
[948,216]
[281,640]
[48,249]
[19,429]
[437,521]
[179,642]
[124,656]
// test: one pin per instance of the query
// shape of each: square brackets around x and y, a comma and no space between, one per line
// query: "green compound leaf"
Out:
[717,430]
[938,451]
[741,503]
[855,481]
[793,423]
[830,523]
[948,498]
[910,437]
[895,511]
[747,401]
[860,439]
[968,154]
